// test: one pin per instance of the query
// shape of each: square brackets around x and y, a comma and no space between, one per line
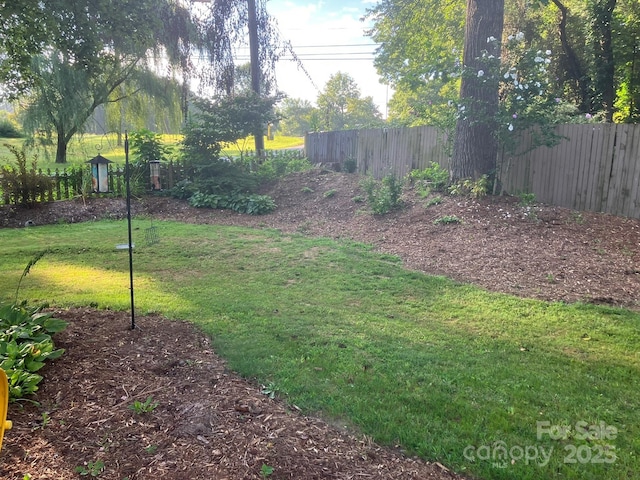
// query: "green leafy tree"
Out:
[224,120]
[296,117]
[145,102]
[102,45]
[341,106]
[594,45]
[627,54]
[85,51]
[420,40]
[420,45]
[211,125]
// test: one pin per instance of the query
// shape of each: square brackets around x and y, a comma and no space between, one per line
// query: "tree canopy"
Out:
[341,105]
[595,47]
[574,57]
[111,49]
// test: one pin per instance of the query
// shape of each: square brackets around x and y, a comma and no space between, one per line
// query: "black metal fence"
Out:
[72,182]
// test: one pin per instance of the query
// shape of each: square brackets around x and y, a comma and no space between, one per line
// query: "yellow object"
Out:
[4,405]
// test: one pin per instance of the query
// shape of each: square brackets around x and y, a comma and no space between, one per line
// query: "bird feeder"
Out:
[99,174]
[154,172]
[4,405]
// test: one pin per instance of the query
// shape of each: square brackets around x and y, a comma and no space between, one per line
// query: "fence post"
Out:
[50,187]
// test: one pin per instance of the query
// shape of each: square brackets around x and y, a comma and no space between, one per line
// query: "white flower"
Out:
[491,39]
[506,75]
[547,61]
[548,52]
[480,73]
[519,36]
[511,127]
[538,60]
[510,37]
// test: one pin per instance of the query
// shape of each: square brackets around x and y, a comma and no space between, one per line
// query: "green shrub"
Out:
[384,195]
[147,146]
[277,165]
[434,177]
[350,165]
[242,203]
[25,344]
[183,190]
[447,220]
[471,188]
[9,129]
[21,185]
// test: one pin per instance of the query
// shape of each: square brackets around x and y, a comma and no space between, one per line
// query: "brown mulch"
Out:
[212,424]
[209,422]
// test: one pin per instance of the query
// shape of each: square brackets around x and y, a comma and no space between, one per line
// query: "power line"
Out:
[339,45]
[302,57]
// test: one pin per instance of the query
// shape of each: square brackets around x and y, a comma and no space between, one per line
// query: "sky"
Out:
[328,37]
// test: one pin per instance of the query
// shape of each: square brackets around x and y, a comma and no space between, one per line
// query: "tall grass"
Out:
[445,370]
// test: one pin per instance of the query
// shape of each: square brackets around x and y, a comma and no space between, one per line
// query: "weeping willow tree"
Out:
[228,24]
[146,101]
[88,53]
[92,48]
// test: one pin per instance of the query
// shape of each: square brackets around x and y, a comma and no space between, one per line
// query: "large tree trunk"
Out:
[61,148]
[475,147]
[255,69]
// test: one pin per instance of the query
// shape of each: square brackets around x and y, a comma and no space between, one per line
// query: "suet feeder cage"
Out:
[99,174]
[154,171]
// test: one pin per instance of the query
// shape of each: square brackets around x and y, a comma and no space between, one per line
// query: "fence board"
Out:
[634,158]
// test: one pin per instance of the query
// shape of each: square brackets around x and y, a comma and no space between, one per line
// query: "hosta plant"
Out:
[25,344]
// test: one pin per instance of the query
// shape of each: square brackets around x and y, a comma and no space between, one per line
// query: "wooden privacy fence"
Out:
[594,167]
[379,152]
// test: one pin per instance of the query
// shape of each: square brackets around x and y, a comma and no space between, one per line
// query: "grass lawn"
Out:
[490,385]
[86,147]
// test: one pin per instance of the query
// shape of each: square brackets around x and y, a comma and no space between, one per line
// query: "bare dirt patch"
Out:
[211,424]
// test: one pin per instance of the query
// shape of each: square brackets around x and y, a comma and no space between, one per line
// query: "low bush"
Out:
[252,204]
[9,129]
[471,188]
[25,344]
[19,183]
[434,177]
[384,195]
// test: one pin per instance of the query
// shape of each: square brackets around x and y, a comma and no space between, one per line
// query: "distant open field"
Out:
[86,147]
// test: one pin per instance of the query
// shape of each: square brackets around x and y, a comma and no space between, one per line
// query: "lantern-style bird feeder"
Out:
[154,171]
[99,174]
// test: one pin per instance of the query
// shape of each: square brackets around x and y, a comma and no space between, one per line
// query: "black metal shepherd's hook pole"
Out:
[127,177]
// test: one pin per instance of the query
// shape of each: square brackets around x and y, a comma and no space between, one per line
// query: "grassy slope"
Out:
[437,367]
